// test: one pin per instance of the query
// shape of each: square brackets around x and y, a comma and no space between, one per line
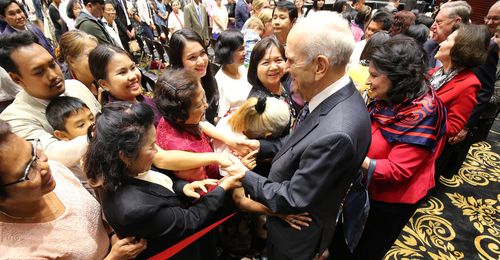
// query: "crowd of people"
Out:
[319,126]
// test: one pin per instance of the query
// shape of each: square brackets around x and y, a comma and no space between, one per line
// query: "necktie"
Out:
[199,15]
[302,116]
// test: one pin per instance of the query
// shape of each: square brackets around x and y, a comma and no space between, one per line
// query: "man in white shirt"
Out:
[41,80]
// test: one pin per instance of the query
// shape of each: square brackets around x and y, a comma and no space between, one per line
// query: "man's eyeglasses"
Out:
[28,173]
[492,18]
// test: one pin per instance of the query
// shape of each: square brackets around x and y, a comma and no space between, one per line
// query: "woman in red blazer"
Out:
[407,123]
[455,83]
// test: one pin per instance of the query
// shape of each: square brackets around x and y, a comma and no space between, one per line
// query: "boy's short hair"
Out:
[255,23]
[60,108]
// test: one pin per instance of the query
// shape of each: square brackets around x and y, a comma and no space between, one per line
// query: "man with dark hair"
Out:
[356,7]
[37,72]
[284,16]
[380,21]
[12,14]
[89,21]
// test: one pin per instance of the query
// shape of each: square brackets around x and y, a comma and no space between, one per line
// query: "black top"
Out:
[147,210]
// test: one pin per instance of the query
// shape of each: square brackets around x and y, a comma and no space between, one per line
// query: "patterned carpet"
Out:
[462,219]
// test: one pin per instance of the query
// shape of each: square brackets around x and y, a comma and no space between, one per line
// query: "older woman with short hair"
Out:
[455,83]
[408,123]
[181,100]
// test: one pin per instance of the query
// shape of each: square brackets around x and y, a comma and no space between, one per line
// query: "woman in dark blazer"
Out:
[139,202]
[455,83]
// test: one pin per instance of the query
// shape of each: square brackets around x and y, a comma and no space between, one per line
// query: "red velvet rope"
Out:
[171,251]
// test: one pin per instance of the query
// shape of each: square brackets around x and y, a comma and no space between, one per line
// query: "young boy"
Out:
[70,118]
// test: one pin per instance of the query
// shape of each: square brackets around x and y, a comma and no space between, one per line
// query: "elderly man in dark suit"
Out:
[314,166]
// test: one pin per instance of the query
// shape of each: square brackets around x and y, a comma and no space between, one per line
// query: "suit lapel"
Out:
[313,119]
[195,13]
[151,188]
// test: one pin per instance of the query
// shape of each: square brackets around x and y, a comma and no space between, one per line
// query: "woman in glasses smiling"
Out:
[39,219]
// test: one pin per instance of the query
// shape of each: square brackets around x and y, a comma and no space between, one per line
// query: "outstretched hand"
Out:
[243,147]
[237,168]
[249,160]
[190,189]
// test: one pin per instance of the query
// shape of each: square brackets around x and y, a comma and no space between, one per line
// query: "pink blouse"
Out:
[77,234]
[170,138]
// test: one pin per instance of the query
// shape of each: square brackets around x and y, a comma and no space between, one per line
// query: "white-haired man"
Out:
[451,13]
[313,167]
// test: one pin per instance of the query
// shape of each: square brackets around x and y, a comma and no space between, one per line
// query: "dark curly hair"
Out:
[172,95]
[120,127]
[402,60]
[228,42]
[471,46]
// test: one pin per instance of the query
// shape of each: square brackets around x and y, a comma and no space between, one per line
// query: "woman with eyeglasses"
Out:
[45,213]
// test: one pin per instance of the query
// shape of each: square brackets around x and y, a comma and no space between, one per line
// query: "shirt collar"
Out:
[325,93]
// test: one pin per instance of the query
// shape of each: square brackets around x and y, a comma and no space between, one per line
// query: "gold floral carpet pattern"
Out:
[462,219]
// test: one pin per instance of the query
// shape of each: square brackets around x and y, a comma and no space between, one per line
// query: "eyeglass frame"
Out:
[32,162]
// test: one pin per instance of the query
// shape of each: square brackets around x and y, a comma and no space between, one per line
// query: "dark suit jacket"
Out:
[121,17]
[486,73]
[147,210]
[431,47]
[312,171]
[42,40]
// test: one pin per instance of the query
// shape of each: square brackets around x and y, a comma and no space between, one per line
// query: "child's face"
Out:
[77,124]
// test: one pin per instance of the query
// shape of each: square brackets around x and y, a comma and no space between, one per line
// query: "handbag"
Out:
[133,46]
[356,207]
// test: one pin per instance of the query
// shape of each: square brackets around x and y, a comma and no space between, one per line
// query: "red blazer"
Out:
[404,173]
[459,98]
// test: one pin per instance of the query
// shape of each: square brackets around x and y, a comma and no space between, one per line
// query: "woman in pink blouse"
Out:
[181,100]
[45,213]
